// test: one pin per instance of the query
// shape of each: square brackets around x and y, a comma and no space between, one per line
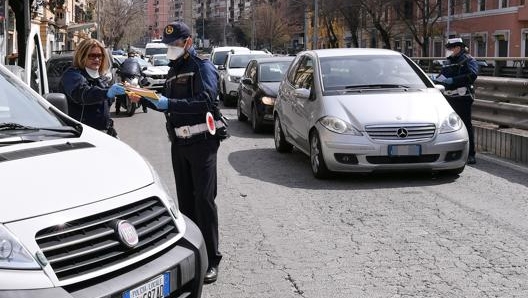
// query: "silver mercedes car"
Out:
[364,110]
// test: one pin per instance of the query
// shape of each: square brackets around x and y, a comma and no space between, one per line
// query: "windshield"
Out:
[273,72]
[18,105]
[160,60]
[241,61]
[219,57]
[154,51]
[369,71]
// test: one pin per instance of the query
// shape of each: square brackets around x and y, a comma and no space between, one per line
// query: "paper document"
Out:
[440,78]
[142,92]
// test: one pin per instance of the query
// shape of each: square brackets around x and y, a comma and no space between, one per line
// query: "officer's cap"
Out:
[175,31]
[453,42]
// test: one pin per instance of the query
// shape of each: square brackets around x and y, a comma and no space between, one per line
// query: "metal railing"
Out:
[501,90]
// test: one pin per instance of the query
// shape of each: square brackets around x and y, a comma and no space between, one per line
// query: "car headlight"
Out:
[451,123]
[12,254]
[268,100]
[174,208]
[339,126]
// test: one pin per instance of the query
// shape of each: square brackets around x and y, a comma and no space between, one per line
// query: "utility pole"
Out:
[253,8]
[315,24]
[225,24]
[98,20]
[448,17]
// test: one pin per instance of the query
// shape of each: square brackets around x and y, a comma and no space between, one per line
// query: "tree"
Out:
[378,11]
[351,10]
[270,29]
[420,16]
[121,21]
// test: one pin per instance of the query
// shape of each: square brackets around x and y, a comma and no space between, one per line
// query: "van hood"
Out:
[47,176]
[374,108]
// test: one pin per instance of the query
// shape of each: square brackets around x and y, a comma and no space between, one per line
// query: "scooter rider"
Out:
[129,68]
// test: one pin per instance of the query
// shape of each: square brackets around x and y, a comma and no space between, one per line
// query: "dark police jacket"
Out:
[463,69]
[191,88]
[87,100]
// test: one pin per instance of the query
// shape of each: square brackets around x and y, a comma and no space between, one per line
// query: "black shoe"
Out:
[117,112]
[211,275]
[144,110]
[471,160]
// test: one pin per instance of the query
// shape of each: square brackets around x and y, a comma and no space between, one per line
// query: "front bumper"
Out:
[366,155]
[155,83]
[186,261]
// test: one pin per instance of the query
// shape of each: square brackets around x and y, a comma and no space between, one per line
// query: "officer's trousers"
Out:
[194,168]
[462,106]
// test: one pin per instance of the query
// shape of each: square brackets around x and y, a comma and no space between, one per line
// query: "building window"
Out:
[467,6]
[481,5]
[503,3]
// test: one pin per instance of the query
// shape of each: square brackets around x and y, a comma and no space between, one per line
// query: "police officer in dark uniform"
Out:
[195,127]
[458,76]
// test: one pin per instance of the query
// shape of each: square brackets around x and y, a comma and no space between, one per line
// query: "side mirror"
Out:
[144,82]
[58,100]
[144,68]
[302,93]
[221,67]
[247,81]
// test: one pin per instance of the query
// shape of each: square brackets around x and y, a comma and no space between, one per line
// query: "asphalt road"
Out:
[286,234]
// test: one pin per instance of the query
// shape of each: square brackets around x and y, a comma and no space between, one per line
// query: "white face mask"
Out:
[174,52]
[94,73]
[448,53]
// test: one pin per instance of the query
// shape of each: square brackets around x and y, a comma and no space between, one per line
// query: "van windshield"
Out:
[154,51]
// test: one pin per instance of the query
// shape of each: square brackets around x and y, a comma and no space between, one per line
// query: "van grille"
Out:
[401,132]
[88,244]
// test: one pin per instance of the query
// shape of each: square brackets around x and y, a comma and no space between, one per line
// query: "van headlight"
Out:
[173,204]
[451,123]
[339,126]
[12,254]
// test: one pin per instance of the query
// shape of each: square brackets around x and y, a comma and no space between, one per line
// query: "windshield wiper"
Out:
[17,126]
[376,86]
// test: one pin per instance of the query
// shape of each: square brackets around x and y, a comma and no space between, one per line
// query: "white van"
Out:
[153,48]
[78,222]
[219,54]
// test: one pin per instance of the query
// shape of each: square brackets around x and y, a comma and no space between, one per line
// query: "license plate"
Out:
[158,287]
[404,150]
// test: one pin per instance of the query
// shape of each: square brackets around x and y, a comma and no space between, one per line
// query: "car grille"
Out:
[88,244]
[158,77]
[401,132]
[380,160]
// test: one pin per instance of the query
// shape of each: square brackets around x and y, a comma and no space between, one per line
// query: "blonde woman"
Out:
[89,96]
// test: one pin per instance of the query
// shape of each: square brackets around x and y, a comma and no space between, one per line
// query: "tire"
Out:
[240,116]
[281,145]
[318,165]
[256,124]
[130,107]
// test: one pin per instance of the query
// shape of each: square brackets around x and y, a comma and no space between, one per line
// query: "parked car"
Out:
[157,71]
[231,72]
[219,54]
[83,214]
[363,110]
[258,88]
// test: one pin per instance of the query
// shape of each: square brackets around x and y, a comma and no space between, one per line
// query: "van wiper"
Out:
[16,126]
[376,86]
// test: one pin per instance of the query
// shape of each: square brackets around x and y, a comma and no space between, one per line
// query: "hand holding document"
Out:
[149,94]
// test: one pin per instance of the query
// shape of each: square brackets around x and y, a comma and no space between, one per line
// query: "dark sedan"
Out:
[258,90]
